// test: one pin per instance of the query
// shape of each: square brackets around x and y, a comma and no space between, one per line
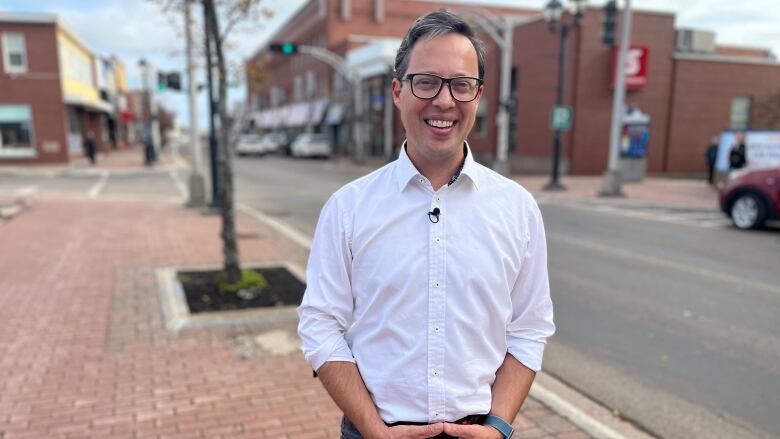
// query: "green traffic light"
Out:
[288,48]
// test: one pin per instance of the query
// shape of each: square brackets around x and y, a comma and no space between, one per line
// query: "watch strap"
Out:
[499,424]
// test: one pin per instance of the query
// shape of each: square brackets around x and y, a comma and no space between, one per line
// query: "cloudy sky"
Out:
[135,29]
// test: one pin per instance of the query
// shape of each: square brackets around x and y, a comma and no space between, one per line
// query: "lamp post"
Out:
[554,15]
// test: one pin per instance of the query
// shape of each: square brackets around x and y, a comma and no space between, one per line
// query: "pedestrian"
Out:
[737,159]
[428,304]
[89,147]
[712,156]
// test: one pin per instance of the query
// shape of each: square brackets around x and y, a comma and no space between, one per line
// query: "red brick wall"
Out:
[702,105]
[40,88]
[593,111]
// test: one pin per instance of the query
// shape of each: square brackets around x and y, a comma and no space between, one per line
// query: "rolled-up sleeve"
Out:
[532,311]
[326,310]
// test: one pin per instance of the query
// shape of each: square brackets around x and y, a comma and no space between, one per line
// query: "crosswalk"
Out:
[698,217]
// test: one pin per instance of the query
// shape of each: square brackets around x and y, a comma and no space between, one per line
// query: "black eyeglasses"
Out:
[428,86]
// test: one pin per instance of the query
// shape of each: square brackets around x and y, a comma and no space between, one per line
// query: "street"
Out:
[671,323]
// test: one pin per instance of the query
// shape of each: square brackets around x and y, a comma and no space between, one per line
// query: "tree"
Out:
[231,13]
[768,111]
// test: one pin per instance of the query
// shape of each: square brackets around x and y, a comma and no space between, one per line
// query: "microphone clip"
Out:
[434,214]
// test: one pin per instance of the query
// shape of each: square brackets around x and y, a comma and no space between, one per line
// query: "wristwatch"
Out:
[499,424]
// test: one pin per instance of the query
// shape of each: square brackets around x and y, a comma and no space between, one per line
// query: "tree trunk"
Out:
[230,246]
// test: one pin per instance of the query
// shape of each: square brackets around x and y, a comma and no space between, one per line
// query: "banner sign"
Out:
[636,67]
[762,149]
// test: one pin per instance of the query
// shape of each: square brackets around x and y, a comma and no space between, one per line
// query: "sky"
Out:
[135,29]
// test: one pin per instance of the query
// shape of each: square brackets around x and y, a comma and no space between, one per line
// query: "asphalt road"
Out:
[674,326]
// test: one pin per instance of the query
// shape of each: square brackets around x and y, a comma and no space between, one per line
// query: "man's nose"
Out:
[444,99]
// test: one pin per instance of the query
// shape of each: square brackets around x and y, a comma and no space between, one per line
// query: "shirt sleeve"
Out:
[326,310]
[532,311]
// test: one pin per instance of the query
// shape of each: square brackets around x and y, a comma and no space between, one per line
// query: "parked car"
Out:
[751,196]
[249,144]
[311,145]
[277,142]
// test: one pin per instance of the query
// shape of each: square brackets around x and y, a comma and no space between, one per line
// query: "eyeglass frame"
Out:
[409,77]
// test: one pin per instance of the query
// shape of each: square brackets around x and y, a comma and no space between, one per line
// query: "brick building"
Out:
[53,91]
[694,88]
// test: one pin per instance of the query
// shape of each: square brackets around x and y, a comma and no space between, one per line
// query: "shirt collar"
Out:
[405,169]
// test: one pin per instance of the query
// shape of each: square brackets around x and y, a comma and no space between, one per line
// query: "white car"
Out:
[311,145]
[249,144]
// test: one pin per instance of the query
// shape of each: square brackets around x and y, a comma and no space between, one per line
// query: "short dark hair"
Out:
[435,24]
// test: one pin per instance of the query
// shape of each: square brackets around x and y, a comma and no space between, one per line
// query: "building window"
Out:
[14,53]
[740,112]
[16,131]
[480,124]
[311,84]
[298,88]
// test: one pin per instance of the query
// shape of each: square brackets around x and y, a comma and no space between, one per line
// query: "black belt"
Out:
[466,420]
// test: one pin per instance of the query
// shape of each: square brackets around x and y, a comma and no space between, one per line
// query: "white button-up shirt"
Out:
[427,310]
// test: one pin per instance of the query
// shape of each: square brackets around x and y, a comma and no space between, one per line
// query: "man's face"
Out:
[447,56]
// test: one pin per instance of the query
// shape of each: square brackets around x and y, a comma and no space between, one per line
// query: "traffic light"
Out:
[168,81]
[284,48]
[609,21]
[162,81]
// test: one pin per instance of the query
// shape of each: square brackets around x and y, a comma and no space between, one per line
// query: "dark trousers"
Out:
[348,431]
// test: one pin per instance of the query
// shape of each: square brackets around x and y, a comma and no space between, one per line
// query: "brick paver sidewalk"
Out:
[84,351]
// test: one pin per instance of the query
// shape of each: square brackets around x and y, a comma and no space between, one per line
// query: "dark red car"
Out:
[751,196]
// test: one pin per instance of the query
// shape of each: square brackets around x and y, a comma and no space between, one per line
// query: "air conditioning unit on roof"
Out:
[695,41]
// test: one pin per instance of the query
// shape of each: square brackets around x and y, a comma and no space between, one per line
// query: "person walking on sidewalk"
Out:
[712,156]
[428,305]
[89,147]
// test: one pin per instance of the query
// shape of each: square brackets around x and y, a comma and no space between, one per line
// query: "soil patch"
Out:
[203,295]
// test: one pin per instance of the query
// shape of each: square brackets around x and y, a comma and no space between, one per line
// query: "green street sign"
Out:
[561,118]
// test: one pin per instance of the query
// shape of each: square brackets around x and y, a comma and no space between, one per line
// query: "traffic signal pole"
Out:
[197,187]
[612,178]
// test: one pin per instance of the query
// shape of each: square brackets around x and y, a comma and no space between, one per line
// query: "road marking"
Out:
[675,265]
[293,234]
[179,185]
[95,191]
[26,190]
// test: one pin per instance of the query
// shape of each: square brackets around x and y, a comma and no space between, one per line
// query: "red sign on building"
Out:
[636,67]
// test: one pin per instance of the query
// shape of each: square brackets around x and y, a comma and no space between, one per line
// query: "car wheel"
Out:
[748,212]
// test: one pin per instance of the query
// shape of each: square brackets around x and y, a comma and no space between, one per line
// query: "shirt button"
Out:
[435,372]
[438,198]
[435,414]
[422,181]
[436,328]
[437,239]
[437,284]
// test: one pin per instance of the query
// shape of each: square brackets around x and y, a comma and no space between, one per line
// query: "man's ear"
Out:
[396,88]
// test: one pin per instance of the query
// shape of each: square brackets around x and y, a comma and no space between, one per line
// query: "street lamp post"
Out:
[553,14]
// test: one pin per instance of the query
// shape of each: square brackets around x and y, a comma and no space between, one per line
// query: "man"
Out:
[89,147]
[712,156]
[427,306]
[737,154]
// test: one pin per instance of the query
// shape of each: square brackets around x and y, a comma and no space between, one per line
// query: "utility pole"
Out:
[612,178]
[197,187]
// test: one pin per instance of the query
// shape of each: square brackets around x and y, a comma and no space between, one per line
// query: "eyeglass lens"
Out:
[428,86]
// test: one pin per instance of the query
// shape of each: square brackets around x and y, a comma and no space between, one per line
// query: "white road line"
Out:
[26,190]
[674,265]
[296,236]
[95,191]
[179,185]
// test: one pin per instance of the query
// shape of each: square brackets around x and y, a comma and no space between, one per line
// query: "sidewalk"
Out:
[84,351]
[658,191]
[130,159]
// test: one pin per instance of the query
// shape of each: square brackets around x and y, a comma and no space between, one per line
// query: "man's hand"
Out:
[472,431]
[415,431]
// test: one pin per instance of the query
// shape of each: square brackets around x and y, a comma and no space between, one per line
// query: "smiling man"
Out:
[428,304]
